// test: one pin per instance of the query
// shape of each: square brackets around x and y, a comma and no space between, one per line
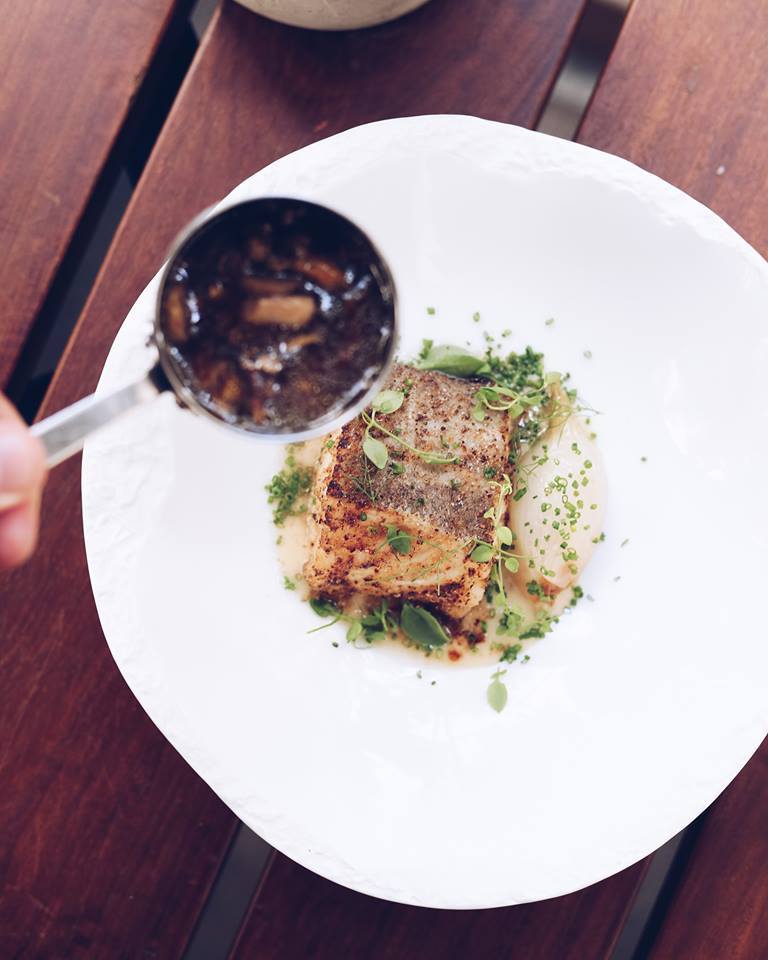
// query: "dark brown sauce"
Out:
[277,314]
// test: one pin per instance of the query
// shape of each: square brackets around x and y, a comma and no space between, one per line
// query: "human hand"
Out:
[22,476]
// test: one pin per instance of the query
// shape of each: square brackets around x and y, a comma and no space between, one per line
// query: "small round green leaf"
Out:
[399,540]
[482,553]
[497,693]
[388,401]
[375,451]
[512,564]
[505,536]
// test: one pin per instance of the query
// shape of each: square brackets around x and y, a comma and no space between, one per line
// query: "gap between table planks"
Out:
[70,74]
[685,96]
[110,842]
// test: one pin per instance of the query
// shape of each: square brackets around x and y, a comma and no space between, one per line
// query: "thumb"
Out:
[22,475]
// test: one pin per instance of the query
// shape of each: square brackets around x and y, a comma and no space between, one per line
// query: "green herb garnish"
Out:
[497,692]
[426,346]
[482,553]
[289,490]
[577,594]
[324,608]
[510,622]
[452,360]
[388,401]
[420,626]
[375,450]
[398,540]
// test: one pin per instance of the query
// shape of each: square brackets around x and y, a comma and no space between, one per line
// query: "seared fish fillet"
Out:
[441,507]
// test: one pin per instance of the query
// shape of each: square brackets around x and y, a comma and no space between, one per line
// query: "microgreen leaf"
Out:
[426,346]
[497,692]
[371,423]
[519,494]
[512,564]
[453,361]
[482,553]
[324,608]
[354,631]
[399,540]
[510,623]
[505,535]
[388,401]
[376,451]
[420,626]
[511,652]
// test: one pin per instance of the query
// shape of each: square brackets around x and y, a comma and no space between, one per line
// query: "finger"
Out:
[22,461]
[8,411]
[18,533]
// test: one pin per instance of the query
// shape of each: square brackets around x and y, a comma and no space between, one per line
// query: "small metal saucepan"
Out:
[330,267]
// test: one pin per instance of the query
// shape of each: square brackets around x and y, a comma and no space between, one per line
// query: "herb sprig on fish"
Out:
[376,450]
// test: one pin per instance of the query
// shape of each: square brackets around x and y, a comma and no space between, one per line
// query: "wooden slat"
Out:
[69,73]
[111,840]
[297,914]
[685,95]
[720,908]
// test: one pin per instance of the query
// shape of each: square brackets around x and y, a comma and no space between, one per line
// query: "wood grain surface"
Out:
[69,74]
[685,96]
[109,841]
[298,914]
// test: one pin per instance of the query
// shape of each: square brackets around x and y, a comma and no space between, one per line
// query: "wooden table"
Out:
[110,843]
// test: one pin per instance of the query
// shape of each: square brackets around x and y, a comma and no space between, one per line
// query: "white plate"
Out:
[640,708]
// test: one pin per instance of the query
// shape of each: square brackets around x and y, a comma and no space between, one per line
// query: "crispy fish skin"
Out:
[440,506]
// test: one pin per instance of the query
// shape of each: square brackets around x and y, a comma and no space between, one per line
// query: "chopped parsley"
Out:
[510,653]
[288,490]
